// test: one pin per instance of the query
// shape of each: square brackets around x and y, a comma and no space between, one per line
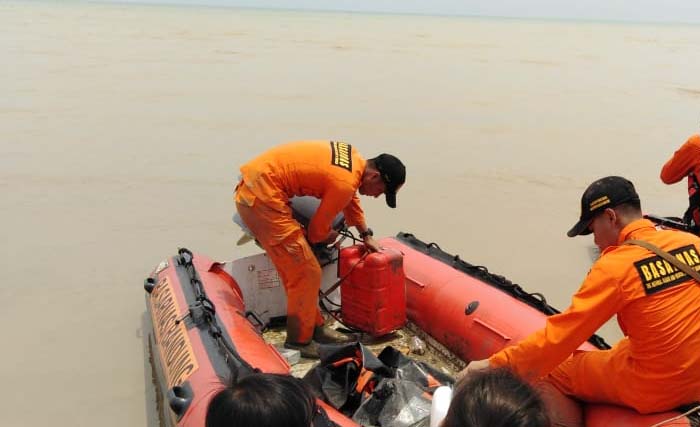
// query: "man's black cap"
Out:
[604,193]
[393,173]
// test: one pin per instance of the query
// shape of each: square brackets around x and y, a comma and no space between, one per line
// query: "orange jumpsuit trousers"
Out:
[295,263]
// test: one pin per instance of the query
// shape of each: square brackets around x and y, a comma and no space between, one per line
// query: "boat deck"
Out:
[410,340]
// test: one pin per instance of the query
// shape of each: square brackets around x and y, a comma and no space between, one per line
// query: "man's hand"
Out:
[332,236]
[371,244]
[476,365]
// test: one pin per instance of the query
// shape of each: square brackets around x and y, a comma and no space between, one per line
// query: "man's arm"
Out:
[367,236]
[684,160]
[473,366]
[594,303]
[331,204]
[354,216]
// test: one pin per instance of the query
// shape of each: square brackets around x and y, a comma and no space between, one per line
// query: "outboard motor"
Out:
[303,209]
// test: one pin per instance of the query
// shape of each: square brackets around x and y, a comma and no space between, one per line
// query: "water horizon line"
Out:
[218,5]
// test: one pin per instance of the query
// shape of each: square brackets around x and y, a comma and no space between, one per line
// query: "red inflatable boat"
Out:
[203,326]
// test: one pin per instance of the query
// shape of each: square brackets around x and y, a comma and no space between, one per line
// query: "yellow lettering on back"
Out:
[695,256]
[654,272]
[669,267]
[660,266]
[688,260]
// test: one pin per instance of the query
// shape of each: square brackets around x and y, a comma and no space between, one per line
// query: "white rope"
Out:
[695,409]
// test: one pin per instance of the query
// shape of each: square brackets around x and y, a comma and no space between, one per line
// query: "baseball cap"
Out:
[604,193]
[393,173]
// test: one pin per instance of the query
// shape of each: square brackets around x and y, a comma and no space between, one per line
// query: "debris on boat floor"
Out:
[409,340]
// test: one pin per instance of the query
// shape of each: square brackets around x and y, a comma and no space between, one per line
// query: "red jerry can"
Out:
[373,292]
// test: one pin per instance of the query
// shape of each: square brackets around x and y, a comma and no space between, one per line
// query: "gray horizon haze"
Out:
[671,11]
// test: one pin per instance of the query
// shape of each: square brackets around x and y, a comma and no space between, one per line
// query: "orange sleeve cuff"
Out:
[498,360]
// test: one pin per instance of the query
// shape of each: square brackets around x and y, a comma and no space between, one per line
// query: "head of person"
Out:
[607,206]
[263,400]
[384,174]
[495,398]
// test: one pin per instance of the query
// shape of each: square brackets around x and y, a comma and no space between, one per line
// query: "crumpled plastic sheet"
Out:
[395,403]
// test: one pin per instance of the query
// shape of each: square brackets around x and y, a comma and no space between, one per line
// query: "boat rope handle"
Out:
[205,312]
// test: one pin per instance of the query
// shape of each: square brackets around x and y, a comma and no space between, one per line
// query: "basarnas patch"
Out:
[341,155]
[658,274]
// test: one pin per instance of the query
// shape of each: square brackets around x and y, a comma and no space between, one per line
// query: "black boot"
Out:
[308,350]
[326,335]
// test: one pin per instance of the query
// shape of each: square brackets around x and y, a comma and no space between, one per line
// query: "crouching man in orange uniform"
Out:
[656,367]
[333,172]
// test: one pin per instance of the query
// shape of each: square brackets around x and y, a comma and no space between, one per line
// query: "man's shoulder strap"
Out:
[667,256]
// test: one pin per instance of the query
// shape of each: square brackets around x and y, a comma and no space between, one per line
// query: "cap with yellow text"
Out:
[393,173]
[604,193]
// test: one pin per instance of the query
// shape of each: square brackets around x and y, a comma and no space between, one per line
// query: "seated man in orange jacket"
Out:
[328,170]
[686,162]
[656,367]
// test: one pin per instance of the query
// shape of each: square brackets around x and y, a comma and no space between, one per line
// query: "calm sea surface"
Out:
[122,127]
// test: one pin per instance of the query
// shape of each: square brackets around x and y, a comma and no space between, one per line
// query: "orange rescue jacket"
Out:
[658,309]
[685,160]
[328,170]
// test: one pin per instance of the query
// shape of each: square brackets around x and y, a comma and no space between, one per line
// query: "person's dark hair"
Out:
[263,400]
[630,208]
[495,398]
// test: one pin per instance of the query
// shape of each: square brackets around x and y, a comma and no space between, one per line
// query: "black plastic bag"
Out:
[390,390]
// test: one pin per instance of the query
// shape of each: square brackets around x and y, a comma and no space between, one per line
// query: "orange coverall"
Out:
[656,367]
[328,170]
[685,160]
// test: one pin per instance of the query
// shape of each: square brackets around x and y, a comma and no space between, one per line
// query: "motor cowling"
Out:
[303,209]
